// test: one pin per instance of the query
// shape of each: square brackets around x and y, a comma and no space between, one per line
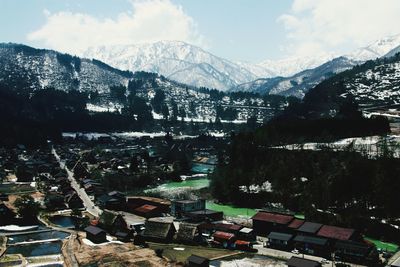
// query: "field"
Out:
[231,211]
[16,188]
[384,246]
[182,255]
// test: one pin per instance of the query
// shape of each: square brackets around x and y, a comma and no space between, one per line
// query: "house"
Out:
[95,234]
[309,228]
[336,233]
[357,252]
[197,261]
[301,262]
[73,201]
[137,201]
[294,225]
[281,241]
[266,222]
[159,230]
[148,211]
[227,240]
[227,227]
[205,215]
[188,233]
[180,207]
[244,245]
[247,234]
[312,245]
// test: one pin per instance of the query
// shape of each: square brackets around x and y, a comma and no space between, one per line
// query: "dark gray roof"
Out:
[93,230]
[197,259]
[311,240]
[186,232]
[300,262]
[158,229]
[205,212]
[309,227]
[353,245]
[280,236]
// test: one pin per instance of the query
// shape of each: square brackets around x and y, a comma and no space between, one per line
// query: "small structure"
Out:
[95,234]
[227,240]
[300,262]
[148,211]
[205,215]
[181,207]
[280,240]
[295,224]
[188,233]
[197,261]
[159,230]
[357,252]
[309,228]
[336,233]
[137,201]
[312,245]
[247,234]
[266,222]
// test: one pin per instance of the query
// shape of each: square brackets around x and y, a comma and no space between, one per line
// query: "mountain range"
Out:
[194,66]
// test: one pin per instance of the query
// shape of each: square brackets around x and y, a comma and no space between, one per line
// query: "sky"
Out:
[240,30]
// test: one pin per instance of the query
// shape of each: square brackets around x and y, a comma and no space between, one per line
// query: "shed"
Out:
[300,262]
[95,234]
[312,245]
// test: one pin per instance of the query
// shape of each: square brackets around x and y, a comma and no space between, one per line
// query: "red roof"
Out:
[273,217]
[242,243]
[335,232]
[145,208]
[295,224]
[223,235]
[229,227]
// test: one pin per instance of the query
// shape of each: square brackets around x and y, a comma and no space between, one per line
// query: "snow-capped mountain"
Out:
[292,65]
[376,49]
[175,60]
[38,68]
[298,84]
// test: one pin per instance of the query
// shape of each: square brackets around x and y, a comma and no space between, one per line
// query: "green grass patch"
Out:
[231,211]
[182,255]
[384,246]
[299,216]
[16,188]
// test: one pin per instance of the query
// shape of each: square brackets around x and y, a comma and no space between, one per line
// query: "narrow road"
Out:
[87,202]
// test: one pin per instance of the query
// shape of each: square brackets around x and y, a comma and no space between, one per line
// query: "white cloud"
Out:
[315,26]
[148,21]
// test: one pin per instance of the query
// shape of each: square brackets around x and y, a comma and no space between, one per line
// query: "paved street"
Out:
[87,202]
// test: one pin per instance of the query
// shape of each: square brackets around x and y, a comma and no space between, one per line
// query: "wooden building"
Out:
[95,234]
[159,230]
[266,222]
[312,245]
[280,241]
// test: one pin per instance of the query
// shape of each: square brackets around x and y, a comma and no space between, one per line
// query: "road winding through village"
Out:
[87,202]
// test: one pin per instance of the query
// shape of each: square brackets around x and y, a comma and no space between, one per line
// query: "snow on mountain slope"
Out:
[376,49]
[298,84]
[175,60]
[40,68]
[290,66]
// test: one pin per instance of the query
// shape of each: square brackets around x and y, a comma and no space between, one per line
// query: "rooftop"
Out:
[309,227]
[296,223]
[280,236]
[335,232]
[300,262]
[273,217]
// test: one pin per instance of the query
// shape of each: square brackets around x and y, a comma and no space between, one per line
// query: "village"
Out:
[93,200]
